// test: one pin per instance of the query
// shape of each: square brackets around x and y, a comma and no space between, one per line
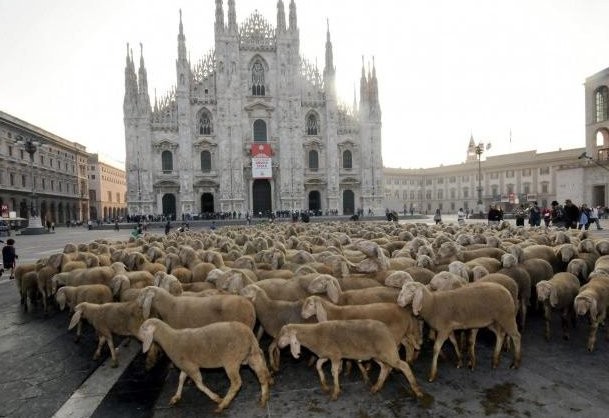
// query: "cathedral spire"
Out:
[374,84]
[293,23]
[232,17]
[354,99]
[280,17]
[329,70]
[219,24]
[363,86]
[181,41]
[130,83]
[143,99]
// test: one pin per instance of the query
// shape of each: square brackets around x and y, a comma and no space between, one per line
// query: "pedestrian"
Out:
[167,227]
[546,213]
[571,214]
[116,228]
[520,214]
[437,216]
[557,215]
[9,257]
[461,216]
[534,215]
[594,217]
[584,217]
[493,215]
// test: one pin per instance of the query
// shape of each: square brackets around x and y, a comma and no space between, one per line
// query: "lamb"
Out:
[193,312]
[579,268]
[28,289]
[559,293]
[593,299]
[483,305]
[272,315]
[122,318]
[222,344]
[512,269]
[73,295]
[402,325]
[361,339]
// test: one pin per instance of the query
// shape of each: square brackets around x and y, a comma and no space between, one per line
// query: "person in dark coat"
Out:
[167,227]
[571,214]
[9,256]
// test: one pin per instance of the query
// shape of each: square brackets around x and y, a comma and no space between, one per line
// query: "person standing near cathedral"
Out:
[594,217]
[534,215]
[520,214]
[438,216]
[461,216]
[571,214]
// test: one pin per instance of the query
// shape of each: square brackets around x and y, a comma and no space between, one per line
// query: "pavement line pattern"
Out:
[85,400]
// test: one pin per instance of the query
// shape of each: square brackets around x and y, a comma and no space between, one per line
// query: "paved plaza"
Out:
[44,373]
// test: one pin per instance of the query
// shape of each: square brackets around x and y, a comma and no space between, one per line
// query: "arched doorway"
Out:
[207,203]
[261,197]
[169,205]
[23,210]
[348,202]
[314,201]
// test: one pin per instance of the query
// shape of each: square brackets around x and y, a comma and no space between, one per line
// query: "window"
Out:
[109,196]
[396,181]
[428,194]
[452,206]
[440,181]
[510,188]
[453,192]
[600,97]
[404,195]
[205,123]
[509,174]
[10,151]
[428,182]
[452,179]
[312,124]
[22,154]
[259,130]
[60,186]
[544,170]
[347,160]
[258,79]
[52,184]
[118,197]
[526,188]
[92,176]
[464,178]
[205,161]
[526,172]
[544,187]
[313,160]
[12,179]
[440,194]
[44,184]
[42,160]
[465,192]
[167,161]
[412,195]
[23,180]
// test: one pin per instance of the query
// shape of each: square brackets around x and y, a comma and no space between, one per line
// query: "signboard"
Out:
[262,163]
[4,211]
[262,168]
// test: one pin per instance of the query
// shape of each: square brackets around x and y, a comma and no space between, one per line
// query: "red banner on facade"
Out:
[261,150]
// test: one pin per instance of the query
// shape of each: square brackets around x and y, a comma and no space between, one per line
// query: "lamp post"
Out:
[479,151]
[34,223]
[585,156]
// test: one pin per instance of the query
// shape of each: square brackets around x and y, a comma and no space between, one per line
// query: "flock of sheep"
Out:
[345,291]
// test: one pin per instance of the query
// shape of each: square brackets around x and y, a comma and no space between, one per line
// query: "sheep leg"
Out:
[232,371]
[592,335]
[260,333]
[78,331]
[547,315]
[335,374]
[564,320]
[194,373]
[364,372]
[499,337]
[523,313]
[321,374]
[100,344]
[385,369]
[258,365]
[441,336]
[471,348]
[453,340]
[274,355]
[407,372]
[110,342]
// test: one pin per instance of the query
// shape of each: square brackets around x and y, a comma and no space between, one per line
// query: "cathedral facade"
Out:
[253,127]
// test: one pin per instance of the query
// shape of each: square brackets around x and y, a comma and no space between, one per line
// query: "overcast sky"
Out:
[446,68]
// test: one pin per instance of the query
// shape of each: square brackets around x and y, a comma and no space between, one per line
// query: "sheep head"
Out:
[313,306]
[146,333]
[578,267]
[60,297]
[459,268]
[412,294]
[445,280]
[566,252]
[158,278]
[326,283]
[119,283]
[479,272]
[584,304]
[250,292]
[235,282]
[287,335]
[508,261]
[398,278]
[544,289]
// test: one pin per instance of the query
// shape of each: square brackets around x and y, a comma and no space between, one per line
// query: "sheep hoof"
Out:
[374,389]
[114,364]
[174,400]
[335,396]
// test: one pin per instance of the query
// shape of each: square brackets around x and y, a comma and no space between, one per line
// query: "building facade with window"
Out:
[58,173]
[107,190]
[197,149]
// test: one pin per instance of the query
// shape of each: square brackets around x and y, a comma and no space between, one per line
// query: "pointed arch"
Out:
[258,69]
[312,123]
[167,161]
[204,122]
[260,134]
[205,161]
[601,98]
[347,159]
[313,160]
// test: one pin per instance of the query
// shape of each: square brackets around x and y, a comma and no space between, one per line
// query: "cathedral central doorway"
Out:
[261,197]
[169,206]
[348,202]
[207,203]
[314,201]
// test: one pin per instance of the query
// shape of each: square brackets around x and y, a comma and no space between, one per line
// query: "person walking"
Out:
[534,215]
[571,214]
[584,217]
[9,257]
[520,214]
[438,216]
[461,216]
[594,217]
[167,227]
[557,215]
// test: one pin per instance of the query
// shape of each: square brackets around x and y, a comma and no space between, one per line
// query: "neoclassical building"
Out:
[107,190]
[252,126]
[58,172]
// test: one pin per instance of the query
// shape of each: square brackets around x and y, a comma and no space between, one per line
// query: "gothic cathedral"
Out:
[253,127]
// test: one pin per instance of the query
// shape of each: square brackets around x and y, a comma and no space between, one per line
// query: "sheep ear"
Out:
[553,296]
[320,312]
[417,300]
[76,317]
[333,291]
[147,336]
[294,345]
[147,303]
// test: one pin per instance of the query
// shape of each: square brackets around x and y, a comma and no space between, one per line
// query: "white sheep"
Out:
[73,295]
[593,299]
[122,318]
[221,344]
[479,306]
[558,293]
[360,339]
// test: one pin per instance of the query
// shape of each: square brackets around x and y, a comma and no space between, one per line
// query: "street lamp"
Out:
[34,225]
[479,150]
[585,156]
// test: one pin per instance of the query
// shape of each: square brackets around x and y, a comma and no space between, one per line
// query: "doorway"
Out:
[348,202]
[169,206]
[207,203]
[314,201]
[261,197]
